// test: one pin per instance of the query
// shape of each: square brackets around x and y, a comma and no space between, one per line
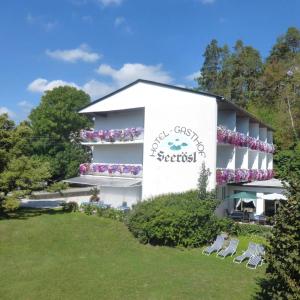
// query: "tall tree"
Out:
[56,125]
[7,127]
[283,261]
[246,70]
[211,68]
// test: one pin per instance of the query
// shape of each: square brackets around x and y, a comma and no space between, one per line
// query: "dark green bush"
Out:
[58,187]
[70,206]
[175,220]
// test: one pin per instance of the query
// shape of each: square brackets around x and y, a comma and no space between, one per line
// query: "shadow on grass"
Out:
[263,292]
[24,213]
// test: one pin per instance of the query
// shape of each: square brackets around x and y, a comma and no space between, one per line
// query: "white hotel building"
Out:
[151,138]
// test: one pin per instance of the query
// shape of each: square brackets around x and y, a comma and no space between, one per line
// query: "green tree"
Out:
[211,68]
[56,125]
[25,173]
[246,70]
[6,139]
[283,261]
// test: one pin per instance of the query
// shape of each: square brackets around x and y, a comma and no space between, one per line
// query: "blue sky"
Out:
[101,45]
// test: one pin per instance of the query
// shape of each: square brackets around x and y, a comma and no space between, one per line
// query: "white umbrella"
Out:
[274,196]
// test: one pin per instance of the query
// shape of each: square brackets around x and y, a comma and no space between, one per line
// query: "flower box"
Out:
[112,135]
[122,170]
[238,139]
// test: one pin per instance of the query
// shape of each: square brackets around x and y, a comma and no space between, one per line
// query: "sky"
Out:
[102,45]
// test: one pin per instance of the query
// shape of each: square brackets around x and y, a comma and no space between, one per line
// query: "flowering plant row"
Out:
[238,139]
[112,135]
[110,169]
[241,175]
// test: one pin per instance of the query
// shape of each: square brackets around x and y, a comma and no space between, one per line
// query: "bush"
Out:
[58,186]
[111,213]
[70,206]
[95,194]
[251,229]
[175,220]
[88,208]
[10,203]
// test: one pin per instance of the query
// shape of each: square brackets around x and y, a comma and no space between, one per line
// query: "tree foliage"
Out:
[56,125]
[283,260]
[269,89]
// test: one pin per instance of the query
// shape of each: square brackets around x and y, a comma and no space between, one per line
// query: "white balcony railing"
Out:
[226,136]
[112,135]
[224,176]
[122,170]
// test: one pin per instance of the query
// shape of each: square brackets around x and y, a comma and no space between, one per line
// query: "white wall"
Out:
[254,130]
[120,119]
[168,109]
[116,195]
[118,154]
[241,158]
[253,159]
[227,118]
[242,125]
[226,156]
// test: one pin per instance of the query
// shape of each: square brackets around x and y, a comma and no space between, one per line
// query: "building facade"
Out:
[150,139]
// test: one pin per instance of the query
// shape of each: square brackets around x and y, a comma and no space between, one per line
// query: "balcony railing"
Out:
[224,176]
[112,135]
[238,139]
[111,169]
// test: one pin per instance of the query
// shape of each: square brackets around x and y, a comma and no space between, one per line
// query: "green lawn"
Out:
[74,256]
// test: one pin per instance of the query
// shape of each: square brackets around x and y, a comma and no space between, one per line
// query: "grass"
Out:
[55,255]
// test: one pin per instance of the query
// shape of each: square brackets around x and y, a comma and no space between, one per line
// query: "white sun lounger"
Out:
[215,247]
[230,250]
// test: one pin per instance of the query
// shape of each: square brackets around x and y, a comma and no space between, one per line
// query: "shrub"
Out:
[88,208]
[174,220]
[70,206]
[58,186]
[95,193]
[10,203]
[111,213]
[251,229]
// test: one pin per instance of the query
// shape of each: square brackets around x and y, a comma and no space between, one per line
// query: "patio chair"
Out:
[252,248]
[254,262]
[215,247]
[260,249]
[230,250]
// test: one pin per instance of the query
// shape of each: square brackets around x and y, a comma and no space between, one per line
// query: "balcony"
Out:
[224,176]
[113,170]
[229,137]
[134,135]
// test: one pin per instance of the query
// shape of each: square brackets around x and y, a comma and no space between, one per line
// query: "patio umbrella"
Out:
[244,197]
[274,196]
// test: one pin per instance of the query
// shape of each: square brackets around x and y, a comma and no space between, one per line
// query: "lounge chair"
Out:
[215,247]
[254,262]
[260,249]
[230,250]
[252,249]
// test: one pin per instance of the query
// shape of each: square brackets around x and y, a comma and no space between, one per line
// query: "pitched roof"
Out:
[219,98]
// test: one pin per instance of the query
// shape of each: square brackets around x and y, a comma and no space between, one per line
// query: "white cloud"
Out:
[93,87]
[73,55]
[41,21]
[121,22]
[131,72]
[41,85]
[119,77]
[5,110]
[193,76]
[207,1]
[110,2]
[96,88]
